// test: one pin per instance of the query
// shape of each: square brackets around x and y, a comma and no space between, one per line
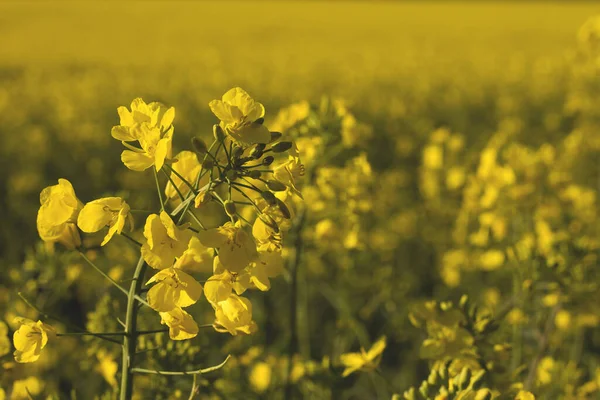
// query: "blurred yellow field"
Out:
[299,200]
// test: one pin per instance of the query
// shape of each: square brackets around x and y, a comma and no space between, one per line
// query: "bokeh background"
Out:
[455,77]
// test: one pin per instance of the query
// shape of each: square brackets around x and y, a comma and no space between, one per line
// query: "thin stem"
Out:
[130,338]
[180,373]
[181,197]
[543,345]
[48,316]
[132,240]
[195,387]
[91,334]
[160,198]
[192,188]
[111,280]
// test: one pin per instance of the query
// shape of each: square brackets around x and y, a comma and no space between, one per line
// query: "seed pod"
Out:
[254,174]
[230,208]
[218,133]
[281,147]
[275,136]
[276,186]
[208,164]
[268,160]
[269,197]
[232,174]
[257,152]
[237,152]
[199,145]
[283,208]
[260,121]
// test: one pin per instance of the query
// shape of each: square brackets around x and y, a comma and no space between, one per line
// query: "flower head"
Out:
[236,247]
[141,118]
[239,113]
[109,211]
[181,324]
[365,360]
[58,213]
[30,339]
[155,149]
[164,241]
[234,315]
[174,288]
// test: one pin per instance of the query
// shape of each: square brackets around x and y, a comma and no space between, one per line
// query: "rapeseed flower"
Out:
[109,211]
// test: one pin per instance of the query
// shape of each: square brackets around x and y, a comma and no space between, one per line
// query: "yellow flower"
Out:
[234,315]
[238,113]
[23,389]
[154,150]
[289,173]
[30,339]
[268,265]
[260,377]
[57,215]
[181,324]
[109,211]
[142,117]
[174,288]
[188,166]
[524,395]
[363,360]
[164,241]
[236,248]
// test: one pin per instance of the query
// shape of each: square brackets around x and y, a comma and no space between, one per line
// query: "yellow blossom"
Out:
[155,149]
[181,324]
[107,367]
[236,247]
[365,360]
[110,211]
[260,377]
[234,315]
[174,288]
[238,113]
[141,117]
[57,215]
[30,339]
[4,339]
[289,173]
[164,241]
[524,395]
[196,257]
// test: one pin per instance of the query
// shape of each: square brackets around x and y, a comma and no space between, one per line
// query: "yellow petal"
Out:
[136,161]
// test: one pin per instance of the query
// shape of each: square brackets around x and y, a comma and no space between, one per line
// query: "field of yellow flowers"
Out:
[299,200]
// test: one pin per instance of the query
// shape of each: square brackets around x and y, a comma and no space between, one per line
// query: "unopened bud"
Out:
[477,380]
[424,389]
[283,208]
[268,160]
[199,145]
[254,174]
[232,174]
[281,147]
[433,377]
[207,164]
[269,197]
[237,152]
[230,208]
[270,222]
[275,136]
[260,121]
[257,152]
[483,394]
[218,132]
[276,186]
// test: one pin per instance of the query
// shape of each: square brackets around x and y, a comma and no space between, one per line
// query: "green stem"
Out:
[180,373]
[132,240]
[160,198]
[131,334]
[180,177]
[111,280]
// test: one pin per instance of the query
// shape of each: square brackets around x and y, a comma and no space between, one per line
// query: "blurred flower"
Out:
[30,339]
[365,360]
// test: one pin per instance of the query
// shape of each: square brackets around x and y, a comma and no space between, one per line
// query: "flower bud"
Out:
[230,208]
[477,380]
[464,378]
[257,152]
[208,164]
[269,197]
[275,136]
[199,145]
[260,121]
[281,147]
[231,175]
[268,160]
[483,394]
[254,174]
[218,133]
[276,186]
[283,208]
[237,152]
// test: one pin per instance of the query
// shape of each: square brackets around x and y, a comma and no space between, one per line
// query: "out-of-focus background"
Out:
[425,78]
